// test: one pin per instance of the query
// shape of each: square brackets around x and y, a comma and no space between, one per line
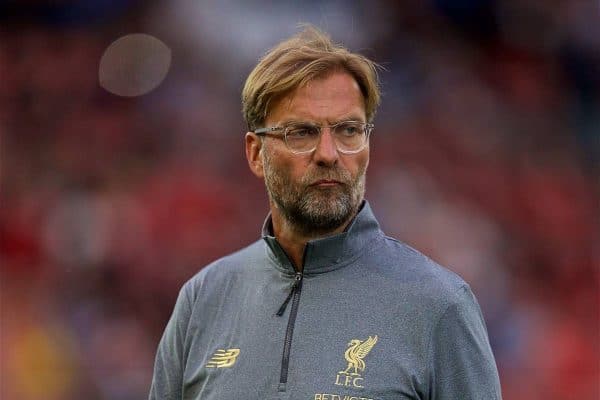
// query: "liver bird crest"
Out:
[357,350]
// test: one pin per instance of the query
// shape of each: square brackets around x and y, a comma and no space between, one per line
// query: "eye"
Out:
[349,129]
[302,132]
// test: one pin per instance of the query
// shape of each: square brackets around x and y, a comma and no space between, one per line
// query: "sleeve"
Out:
[462,365]
[167,380]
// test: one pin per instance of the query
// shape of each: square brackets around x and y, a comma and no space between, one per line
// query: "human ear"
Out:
[253,148]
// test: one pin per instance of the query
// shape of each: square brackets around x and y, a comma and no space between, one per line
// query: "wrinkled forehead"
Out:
[328,99]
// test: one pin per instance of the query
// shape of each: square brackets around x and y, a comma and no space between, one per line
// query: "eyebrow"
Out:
[294,120]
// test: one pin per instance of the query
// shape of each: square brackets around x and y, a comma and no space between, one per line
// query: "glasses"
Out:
[350,137]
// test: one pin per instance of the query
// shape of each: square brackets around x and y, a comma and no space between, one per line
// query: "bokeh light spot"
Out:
[134,65]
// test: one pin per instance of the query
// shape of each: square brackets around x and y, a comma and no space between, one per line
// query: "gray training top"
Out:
[369,318]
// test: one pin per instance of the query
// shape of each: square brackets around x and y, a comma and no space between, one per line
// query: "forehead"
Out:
[327,100]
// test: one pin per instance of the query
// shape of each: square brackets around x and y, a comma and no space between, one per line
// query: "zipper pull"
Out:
[297,280]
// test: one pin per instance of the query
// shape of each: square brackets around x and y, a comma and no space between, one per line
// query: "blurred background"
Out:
[484,156]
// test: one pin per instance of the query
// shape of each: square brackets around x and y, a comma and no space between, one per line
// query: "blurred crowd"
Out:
[484,156]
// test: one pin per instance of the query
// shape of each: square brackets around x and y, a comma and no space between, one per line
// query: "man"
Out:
[324,306]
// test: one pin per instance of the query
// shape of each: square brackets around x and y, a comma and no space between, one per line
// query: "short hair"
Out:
[291,64]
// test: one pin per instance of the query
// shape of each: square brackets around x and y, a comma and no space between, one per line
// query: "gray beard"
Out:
[313,211]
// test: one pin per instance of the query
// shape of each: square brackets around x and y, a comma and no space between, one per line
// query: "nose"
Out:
[326,153]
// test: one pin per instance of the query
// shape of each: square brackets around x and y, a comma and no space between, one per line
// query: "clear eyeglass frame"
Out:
[285,129]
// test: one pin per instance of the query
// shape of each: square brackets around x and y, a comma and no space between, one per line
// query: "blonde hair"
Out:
[294,62]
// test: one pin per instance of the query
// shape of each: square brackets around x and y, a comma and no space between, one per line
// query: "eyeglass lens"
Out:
[349,136]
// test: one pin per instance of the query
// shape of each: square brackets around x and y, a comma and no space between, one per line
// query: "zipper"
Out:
[294,296]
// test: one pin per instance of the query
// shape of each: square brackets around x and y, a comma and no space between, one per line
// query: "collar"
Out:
[331,252]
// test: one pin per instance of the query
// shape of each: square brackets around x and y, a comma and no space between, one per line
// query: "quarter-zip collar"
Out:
[328,253]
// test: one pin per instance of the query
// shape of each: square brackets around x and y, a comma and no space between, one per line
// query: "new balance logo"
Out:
[223,358]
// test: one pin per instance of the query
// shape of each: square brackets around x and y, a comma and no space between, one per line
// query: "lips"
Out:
[326,182]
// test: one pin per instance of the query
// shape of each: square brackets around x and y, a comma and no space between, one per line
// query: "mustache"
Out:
[332,174]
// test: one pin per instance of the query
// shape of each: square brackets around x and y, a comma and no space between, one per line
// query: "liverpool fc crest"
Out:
[355,354]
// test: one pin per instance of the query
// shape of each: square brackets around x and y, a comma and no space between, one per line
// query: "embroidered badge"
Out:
[223,358]
[355,354]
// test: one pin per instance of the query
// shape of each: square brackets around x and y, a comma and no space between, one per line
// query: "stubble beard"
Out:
[310,210]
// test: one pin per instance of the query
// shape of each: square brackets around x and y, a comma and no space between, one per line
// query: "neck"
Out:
[293,240]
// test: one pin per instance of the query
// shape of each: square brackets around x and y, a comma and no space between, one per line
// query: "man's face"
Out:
[319,191]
